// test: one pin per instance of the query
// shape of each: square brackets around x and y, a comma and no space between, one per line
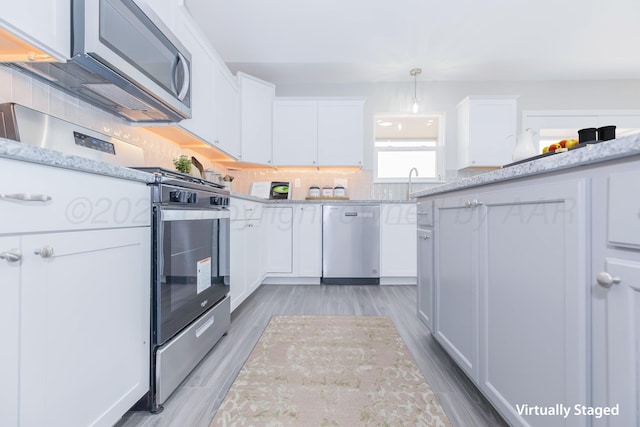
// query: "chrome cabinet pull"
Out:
[26,197]
[44,252]
[472,203]
[13,255]
[605,280]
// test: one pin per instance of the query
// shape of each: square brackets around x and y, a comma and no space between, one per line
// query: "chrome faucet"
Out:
[411,173]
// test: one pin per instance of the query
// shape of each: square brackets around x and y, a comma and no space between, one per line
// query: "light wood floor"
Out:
[197,399]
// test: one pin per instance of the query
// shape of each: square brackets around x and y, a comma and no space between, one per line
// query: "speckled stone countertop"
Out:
[317,202]
[30,153]
[590,154]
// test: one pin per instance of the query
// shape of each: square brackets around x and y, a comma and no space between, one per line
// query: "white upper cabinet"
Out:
[256,123]
[486,131]
[45,25]
[314,132]
[203,66]
[227,111]
[340,132]
[295,132]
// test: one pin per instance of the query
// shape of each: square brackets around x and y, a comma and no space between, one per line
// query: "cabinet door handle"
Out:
[425,237]
[44,252]
[472,203]
[605,280]
[13,255]
[26,197]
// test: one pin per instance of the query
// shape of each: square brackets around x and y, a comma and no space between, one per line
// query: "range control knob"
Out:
[192,197]
[177,196]
[219,201]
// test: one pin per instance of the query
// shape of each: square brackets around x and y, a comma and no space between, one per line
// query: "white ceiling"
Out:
[340,41]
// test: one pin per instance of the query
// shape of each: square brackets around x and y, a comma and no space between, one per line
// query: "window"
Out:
[403,142]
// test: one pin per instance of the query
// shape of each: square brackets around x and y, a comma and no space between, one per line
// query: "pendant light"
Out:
[415,73]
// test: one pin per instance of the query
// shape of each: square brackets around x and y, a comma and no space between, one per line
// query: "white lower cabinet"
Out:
[615,281]
[293,244]
[456,281]
[246,260]
[277,229]
[246,249]
[84,326]
[617,337]
[307,241]
[10,329]
[397,243]
[74,305]
[510,294]
[533,300]
[425,277]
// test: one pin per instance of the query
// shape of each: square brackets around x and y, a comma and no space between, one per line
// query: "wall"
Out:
[22,89]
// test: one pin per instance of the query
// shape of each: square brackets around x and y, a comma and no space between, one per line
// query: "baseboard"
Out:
[398,280]
[291,281]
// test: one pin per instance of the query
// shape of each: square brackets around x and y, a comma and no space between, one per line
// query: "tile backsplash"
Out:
[358,183]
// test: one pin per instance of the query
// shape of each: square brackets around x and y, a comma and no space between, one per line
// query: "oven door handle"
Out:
[192,215]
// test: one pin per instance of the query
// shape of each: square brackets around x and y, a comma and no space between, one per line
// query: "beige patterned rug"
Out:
[330,371]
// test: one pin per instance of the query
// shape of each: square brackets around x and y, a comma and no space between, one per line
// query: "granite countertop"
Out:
[317,202]
[30,153]
[587,155]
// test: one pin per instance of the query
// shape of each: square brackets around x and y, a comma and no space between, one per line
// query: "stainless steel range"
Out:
[191,306]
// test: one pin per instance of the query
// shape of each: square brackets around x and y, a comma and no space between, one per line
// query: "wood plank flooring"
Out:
[195,402]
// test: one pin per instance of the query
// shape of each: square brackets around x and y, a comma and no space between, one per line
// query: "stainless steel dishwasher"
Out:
[350,244]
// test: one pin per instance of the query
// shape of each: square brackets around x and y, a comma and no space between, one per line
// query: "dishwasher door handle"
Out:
[351,214]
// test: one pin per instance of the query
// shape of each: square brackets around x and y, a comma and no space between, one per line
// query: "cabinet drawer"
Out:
[624,210]
[242,209]
[75,200]
[425,213]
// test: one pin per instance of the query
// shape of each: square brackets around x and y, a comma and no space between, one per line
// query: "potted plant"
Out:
[182,164]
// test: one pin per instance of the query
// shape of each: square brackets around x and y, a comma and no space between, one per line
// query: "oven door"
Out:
[189,275]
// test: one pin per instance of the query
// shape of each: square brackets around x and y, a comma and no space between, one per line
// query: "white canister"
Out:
[314,191]
[327,191]
[339,191]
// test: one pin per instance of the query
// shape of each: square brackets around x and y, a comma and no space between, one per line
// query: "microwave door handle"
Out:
[181,60]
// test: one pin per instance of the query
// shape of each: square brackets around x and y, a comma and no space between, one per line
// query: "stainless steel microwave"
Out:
[124,60]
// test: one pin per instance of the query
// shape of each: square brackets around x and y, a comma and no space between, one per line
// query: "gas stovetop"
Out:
[165,175]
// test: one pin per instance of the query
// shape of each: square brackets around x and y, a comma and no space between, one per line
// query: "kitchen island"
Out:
[529,275]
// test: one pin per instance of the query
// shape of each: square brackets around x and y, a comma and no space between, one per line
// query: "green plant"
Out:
[183,164]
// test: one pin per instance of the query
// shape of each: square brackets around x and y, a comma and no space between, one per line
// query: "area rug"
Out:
[330,371]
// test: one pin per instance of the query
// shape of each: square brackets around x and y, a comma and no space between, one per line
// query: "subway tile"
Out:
[6,83]
[21,89]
